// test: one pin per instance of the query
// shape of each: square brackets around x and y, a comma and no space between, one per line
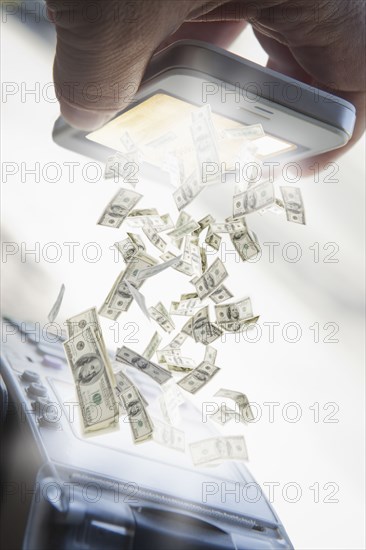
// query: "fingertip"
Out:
[83,119]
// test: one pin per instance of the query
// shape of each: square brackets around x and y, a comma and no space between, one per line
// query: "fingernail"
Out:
[83,119]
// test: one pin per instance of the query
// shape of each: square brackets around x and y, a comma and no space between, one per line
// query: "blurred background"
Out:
[311,371]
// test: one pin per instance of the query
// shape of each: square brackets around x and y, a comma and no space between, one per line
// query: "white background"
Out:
[307,292]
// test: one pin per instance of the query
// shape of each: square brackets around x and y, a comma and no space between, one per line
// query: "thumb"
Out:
[103,47]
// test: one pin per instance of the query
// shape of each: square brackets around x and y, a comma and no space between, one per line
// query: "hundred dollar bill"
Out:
[160,354]
[56,306]
[152,346]
[199,377]
[235,311]
[126,248]
[119,298]
[94,381]
[241,400]
[139,218]
[203,262]
[239,326]
[210,355]
[216,449]
[221,294]
[175,360]
[188,191]
[182,219]
[228,227]
[87,318]
[154,237]
[204,139]
[160,314]
[213,239]
[257,197]
[211,279]
[187,329]
[133,359]
[254,131]
[203,223]
[185,307]
[167,223]
[122,383]
[182,267]
[139,298]
[164,321]
[246,244]
[154,270]
[168,436]
[203,330]
[140,422]
[188,296]
[294,205]
[177,341]
[118,208]
[183,230]
[129,247]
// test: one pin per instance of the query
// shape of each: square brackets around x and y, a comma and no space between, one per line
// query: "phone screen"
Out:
[162,123]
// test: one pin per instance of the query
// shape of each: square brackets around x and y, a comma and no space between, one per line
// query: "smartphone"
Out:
[298,120]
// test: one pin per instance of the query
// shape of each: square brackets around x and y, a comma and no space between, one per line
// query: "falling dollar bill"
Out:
[88,319]
[221,294]
[204,139]
[122,383]
[118,208]
[246,244]
[228,227]
[154,237]
[167,223]
[183,218]
[177,341]
[162,317]
[133,359]
[210,355]
[241,400]
[210,280]
[168,436]
[234,311]
[213,239]
[203,223]
[239,326]
[185,307]
[216,449]
[257,197]
[203,330]
[152,346]
[139,420]
[294,205]
[130,246]
[188,191]
[183,230]
[199,377]
[93,380]
[56,306]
